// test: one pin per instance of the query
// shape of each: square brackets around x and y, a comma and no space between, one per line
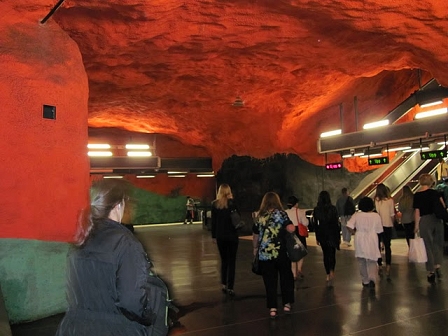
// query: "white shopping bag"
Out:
[417,250]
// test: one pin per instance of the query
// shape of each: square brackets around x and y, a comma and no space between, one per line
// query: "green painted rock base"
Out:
[32,278]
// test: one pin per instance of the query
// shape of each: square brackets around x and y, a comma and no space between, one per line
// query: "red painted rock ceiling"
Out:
[175,67]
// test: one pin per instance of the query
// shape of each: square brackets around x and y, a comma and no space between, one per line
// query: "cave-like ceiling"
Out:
[176,67]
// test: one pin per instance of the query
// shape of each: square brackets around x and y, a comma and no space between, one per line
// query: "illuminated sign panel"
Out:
[334,165]
[378,161]
[436,154]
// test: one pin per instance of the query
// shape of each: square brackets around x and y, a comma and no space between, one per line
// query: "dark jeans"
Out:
[329,253]
[227,252]
[409,231]
[385,237]
[271,269]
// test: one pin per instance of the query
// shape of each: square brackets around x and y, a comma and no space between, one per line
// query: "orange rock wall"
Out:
[44,170]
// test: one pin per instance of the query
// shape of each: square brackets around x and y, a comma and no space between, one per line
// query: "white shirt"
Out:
[367,225]
[297,216]
[386,210]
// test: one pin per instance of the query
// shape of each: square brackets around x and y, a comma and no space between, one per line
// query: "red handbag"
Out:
[303,230]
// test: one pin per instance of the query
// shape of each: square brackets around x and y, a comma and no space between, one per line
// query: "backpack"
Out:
[349,207]
[160,304]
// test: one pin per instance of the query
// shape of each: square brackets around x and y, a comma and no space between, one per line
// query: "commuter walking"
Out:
[429,226]
[327,232]
[366,225]
[189,215]
[385,207]
[269,231]
[108,271]
[346,208]
[225,236]
[405,206]
[300,221]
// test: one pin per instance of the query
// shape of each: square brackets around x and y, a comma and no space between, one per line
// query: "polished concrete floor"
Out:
[185,256]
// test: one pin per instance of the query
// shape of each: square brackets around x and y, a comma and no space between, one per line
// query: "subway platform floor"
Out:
[186,258]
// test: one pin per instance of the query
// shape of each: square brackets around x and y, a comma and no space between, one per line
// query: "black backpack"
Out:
[349,207]
[161,305]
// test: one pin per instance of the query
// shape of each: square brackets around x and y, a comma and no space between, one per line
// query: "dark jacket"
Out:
[107,288]
[222,227]
[327,225]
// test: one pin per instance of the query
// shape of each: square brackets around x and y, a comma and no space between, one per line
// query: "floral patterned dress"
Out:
[270,228]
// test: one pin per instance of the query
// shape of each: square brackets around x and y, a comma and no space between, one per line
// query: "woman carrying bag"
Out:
[269,230]
[298,218]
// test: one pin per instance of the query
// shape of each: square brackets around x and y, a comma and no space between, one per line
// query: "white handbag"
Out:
[417,250]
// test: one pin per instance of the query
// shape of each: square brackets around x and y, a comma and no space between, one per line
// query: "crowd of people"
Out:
[109,273]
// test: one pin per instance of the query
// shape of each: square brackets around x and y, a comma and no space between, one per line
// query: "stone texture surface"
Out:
[175,67]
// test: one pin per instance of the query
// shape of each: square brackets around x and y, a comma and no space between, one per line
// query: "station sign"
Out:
[378,161]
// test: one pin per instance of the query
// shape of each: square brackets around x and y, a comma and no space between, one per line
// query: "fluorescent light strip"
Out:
[113,177]
[432,113]
[375,124]
[105,153]
[396,149]
[205,175]
[438,102]
[145,176]
[415,149]
[177,172]
[137,146]
[330,133]
[371,155]
[140,154]
[98,146]
[176,175]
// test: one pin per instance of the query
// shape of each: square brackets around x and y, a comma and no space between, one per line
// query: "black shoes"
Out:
[431,278]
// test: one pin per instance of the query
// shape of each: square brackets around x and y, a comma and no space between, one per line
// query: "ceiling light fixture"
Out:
[238,102]
[205,175]
[176,175]
[140,154]
[376,124]
[330,133]
[177,172]
[437,102]
[396,149]
[431,113]
[113,177]
[371,155]
[98,146]
[137,146]
[99,153]
[415,149]
[145,176]
[345,156]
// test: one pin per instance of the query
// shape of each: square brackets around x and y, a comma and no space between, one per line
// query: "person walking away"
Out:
[429,226]
[366,225]
[385,207]
[300,221]
[108,271]
[225,236]
[405,206]
[189,215]
[346,208]
[269,230]
[327,233]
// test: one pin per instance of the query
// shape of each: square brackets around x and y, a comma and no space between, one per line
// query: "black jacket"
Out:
[222,227]
[327,225]
[107,288]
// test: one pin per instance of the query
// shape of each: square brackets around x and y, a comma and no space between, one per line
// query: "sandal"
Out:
[287,308]
[273,313]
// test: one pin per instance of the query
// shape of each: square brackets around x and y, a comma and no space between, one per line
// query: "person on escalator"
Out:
[385,207]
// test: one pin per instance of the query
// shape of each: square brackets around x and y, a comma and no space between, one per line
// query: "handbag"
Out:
[417,250]
[236,219]
[256,267]
[294,247]
[303,230]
